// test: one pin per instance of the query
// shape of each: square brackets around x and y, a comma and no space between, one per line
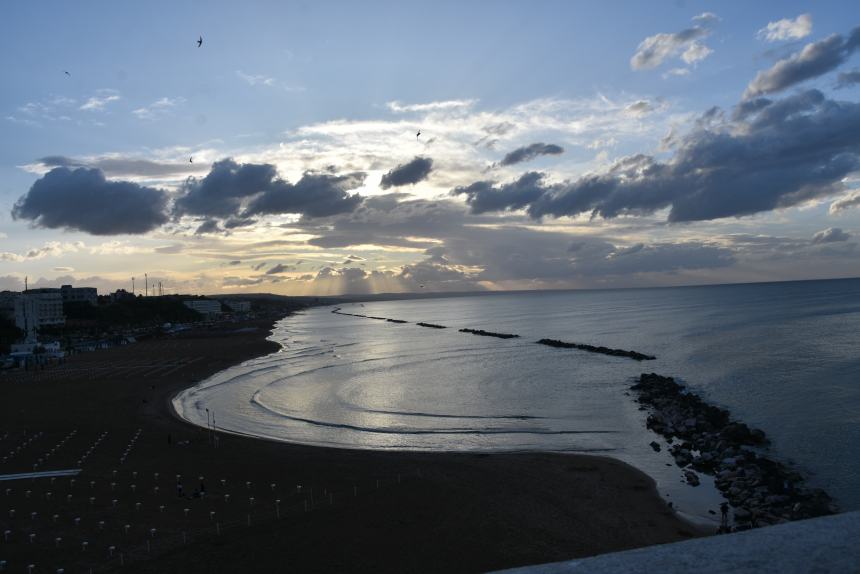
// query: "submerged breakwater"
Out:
[431,325]
[482,333]
[704,438]
[601,350]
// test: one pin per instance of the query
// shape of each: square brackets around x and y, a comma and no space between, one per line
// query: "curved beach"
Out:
[487,511]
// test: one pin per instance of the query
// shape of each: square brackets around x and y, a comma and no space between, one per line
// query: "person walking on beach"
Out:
[724,518]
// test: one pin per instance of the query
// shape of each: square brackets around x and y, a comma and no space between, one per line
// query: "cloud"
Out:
[100,100]
[529,152]
[778,154]
[830,235]
[234,281]
[280,268]
[445,105]
[82,199]
[159,108]
[115,166]
[235,262]
[847,202]
[787,29]
[408,173]
[848,79]
[256,79]
[221,192]
[484,196]
[314,195]
[656,49]
[49,249]
[815,59]
[64,269]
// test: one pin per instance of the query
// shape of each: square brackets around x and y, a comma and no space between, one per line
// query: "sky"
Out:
[562,144]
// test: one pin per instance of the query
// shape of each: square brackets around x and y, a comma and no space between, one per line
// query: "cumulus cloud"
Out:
[787,29]
[316,194]
[485,196]
[82,199]
[221,192]
[847,202]
[408,173]
[814,60]
[656,49]
[529,152]
[781,153]
[830,235]
[236,192]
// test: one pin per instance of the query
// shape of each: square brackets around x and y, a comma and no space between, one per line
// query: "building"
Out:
[121,295]
[206,307]
[239,306]
[33,309]
[79,294]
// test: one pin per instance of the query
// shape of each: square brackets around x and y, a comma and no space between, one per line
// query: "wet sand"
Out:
[339,510]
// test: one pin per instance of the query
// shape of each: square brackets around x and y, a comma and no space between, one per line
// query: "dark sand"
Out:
[366,511]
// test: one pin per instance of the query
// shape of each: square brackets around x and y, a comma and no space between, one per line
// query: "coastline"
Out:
[433,512]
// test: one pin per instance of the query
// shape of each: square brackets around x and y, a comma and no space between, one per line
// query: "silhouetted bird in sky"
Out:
[66,73]
[418,134]
[190,160]
[199,41]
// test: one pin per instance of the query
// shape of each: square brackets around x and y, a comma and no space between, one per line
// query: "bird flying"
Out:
[190,160]
[66,73]
[418,134]
[199,41]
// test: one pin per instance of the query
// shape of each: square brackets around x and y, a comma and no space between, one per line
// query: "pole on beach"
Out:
[208,427]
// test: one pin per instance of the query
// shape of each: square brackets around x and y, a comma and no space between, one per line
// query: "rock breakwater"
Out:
[593,349]
[431,325]
[483,333]
[704,438]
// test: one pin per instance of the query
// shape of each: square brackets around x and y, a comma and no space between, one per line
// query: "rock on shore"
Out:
[704,438]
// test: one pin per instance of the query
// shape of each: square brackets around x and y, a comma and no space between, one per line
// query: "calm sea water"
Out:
[784,357]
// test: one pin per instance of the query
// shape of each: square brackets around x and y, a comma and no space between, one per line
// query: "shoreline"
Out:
[488,511]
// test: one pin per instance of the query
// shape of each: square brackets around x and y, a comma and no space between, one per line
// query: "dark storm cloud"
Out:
[814,60]
[484,196]
[82,199]
[236,192]
[785,152]
[408,173]
[529,152]
[314,195]
[221,192]
[117,166]
[830,235]
[848,79]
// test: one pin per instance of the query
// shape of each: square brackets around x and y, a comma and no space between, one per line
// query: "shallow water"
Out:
[784,357]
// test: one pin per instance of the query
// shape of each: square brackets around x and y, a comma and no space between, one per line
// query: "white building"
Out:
[33,309]
[206,307]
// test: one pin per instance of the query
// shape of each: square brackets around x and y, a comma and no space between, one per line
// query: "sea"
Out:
[783,357]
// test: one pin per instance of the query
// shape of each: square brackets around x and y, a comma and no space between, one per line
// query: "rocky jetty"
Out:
[431,325]
[705,439]
[602,350]
[483,333]
[396,321]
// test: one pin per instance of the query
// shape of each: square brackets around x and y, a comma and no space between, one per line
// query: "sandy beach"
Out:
[273,506]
